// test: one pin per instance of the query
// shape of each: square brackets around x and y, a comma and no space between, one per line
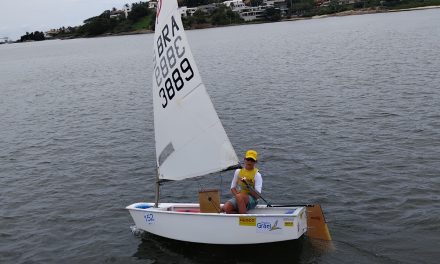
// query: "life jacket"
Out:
[249,176]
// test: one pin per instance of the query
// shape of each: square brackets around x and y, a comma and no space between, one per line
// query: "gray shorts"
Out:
[251,205]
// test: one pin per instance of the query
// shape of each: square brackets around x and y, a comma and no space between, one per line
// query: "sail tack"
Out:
[190,139]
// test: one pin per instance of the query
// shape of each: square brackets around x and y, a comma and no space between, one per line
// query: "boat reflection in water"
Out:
[163,250]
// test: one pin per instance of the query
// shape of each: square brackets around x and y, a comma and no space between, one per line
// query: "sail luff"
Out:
[190,139]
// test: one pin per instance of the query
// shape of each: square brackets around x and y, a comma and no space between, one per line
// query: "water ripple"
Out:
[343,111]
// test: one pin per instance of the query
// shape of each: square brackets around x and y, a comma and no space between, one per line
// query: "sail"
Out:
[190,139]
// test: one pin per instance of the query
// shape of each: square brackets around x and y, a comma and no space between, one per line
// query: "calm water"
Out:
[344,112]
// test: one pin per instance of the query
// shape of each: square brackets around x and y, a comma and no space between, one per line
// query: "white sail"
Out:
[190,139]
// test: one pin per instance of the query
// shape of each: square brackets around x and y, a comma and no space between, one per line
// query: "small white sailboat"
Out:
[190,142]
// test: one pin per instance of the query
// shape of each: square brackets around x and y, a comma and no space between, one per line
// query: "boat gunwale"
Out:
[296,213]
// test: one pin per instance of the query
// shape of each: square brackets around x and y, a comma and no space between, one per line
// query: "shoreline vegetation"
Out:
[139,17]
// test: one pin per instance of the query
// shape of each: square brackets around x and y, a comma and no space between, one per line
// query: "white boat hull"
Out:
[183,222]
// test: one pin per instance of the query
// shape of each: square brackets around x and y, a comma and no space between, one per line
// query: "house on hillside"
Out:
[126,10]
[52,32]
[235,5]
[4,40]
[187,11]
[152,4]
[251,13]
[208,8]
[117,14]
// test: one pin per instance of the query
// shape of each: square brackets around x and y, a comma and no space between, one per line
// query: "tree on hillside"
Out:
[272,14]
[335,6]
[200,17]
[98,25]
[36,36]
[301,7]
[138,11]
[223,15]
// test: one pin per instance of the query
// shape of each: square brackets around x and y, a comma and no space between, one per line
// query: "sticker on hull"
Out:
[288,224]
[269,225]
[289,221]
[149,218]
[247,221]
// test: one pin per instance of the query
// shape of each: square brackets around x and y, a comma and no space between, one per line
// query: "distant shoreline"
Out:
[206,26]
[372,11]
[340,14]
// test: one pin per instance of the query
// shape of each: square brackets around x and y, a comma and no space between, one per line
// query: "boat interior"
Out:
[195,208]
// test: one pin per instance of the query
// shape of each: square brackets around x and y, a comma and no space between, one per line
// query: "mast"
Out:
[157,189]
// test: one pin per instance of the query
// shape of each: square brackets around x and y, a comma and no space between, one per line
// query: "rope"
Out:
[221,184]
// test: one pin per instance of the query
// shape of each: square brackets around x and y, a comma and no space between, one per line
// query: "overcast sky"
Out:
[19,16]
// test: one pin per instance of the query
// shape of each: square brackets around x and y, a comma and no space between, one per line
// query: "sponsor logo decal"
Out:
[149,218]
[247,221]
[268,225]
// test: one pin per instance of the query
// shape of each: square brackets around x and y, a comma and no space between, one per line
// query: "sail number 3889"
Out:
[176,82]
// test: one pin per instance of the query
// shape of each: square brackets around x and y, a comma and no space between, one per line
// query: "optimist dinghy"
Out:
[186,128]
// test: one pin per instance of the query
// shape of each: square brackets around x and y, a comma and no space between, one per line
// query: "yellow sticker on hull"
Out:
[288,224]
[247,221]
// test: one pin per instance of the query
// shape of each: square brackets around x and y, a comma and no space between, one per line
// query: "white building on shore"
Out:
[235,5]
[187,11]
[247,13]
[152,4]
[251,13]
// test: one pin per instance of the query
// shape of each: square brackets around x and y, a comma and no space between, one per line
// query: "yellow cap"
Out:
[251,154]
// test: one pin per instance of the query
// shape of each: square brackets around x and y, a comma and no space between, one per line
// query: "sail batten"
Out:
[190,139]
